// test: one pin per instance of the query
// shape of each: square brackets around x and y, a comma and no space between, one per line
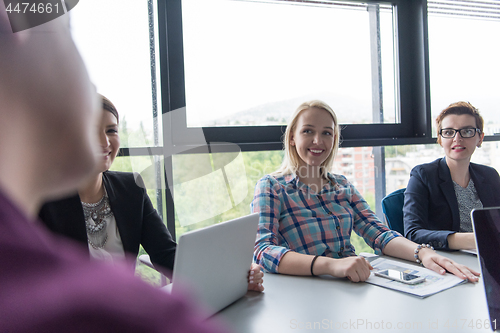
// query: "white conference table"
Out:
[305,304]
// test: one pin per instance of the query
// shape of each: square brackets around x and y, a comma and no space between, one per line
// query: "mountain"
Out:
[348,110]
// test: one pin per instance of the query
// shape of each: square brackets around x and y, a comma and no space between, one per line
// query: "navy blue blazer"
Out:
[137,221]
[431,207]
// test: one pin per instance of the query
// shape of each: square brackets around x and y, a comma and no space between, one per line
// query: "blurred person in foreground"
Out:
[48,110]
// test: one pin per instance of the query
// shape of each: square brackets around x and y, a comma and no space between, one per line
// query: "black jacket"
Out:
[431,207]
[137,221]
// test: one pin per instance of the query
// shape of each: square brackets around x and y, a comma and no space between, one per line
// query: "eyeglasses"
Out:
[449,133]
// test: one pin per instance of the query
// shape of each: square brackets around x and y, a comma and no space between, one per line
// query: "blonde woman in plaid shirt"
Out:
[307,213]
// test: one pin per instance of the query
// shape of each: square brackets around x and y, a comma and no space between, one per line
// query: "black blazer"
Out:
[136,219]
[431,207]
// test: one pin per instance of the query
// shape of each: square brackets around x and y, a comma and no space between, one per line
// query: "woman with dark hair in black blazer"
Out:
[441,195]
[112,212]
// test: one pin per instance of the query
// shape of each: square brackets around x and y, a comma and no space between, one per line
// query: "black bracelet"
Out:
[312,264]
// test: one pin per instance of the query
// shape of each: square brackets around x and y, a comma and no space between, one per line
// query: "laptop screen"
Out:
[487,231]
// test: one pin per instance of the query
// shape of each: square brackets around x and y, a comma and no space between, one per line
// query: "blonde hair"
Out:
[291,160]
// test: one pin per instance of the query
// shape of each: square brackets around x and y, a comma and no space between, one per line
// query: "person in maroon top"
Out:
[48,111]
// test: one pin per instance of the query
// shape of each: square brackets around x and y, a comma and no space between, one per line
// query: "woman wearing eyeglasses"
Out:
[441,195]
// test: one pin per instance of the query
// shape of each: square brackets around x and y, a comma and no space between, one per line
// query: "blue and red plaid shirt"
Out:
[295,218]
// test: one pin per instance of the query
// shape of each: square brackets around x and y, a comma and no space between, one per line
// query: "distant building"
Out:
[397,172]
[358,165]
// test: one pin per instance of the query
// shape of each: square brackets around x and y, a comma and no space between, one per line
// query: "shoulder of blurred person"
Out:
[48,285]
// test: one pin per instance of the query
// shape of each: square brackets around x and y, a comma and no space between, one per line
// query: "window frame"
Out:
[412,74]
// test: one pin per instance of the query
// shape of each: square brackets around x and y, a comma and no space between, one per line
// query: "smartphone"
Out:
[395,275]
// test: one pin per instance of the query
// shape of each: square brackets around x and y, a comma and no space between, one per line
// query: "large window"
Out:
[113,37]
[463,57]
[250,62]
[233,71]
[118,41]
[214,200]
[234,65]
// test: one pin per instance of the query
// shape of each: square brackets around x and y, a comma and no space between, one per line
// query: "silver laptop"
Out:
[486,224]
[212,263]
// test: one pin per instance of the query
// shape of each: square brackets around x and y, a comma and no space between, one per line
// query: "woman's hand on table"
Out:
[441,265]
[356,269]
[255,278]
